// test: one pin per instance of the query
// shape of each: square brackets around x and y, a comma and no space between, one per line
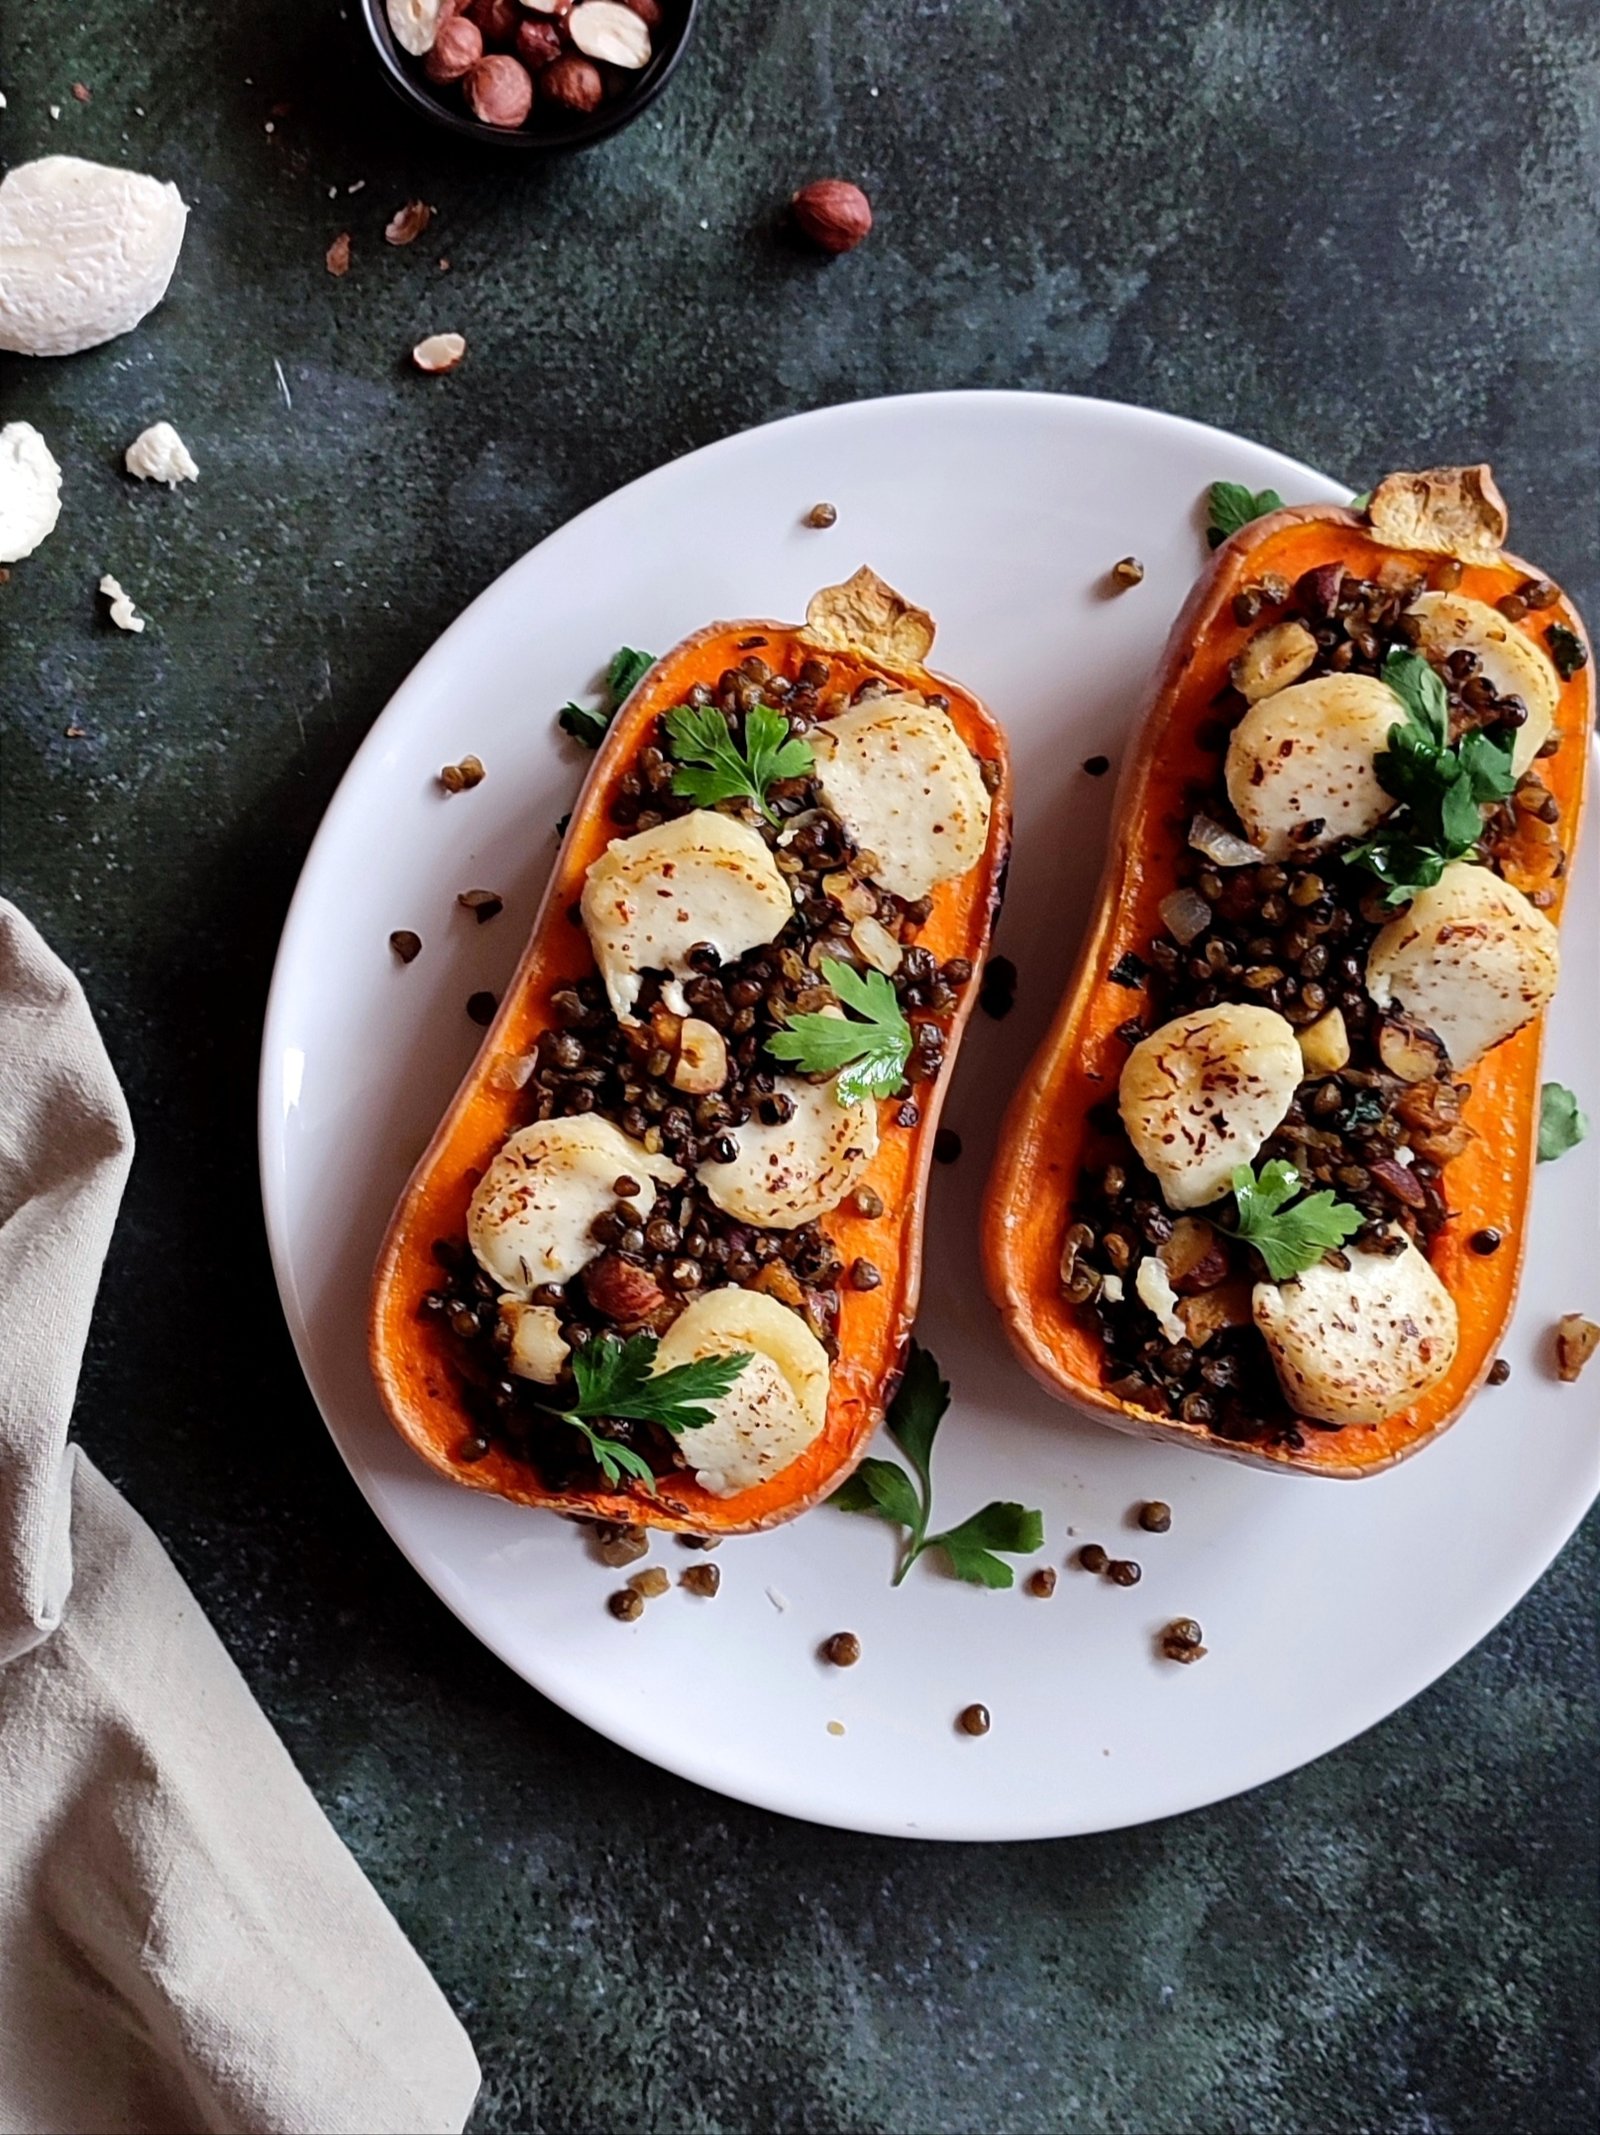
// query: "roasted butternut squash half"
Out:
[1264,1190]
[660,1262]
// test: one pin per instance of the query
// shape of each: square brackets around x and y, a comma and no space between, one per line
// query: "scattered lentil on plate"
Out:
[1155,1517]
[973,1720]
[1043,1582]
[843,1649]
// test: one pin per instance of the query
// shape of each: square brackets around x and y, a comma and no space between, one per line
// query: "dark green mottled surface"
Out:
[1360,231]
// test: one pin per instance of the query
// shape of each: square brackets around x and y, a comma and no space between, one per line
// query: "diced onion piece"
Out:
[877,945]
[1185,914]
[1220,846]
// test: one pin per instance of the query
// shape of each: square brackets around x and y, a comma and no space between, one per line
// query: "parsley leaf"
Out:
[1289,1239]
[1229,505]
[623,675]
[1442,790]
[883,1489]
[615,1381]
[713,767]
[869,1056]
[1563,1123]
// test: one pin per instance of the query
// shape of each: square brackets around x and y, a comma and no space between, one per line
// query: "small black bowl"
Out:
[541,135]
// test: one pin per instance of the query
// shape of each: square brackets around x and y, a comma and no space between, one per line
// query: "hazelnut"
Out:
[702,1063]
[497,19]
[648,12]
[538,43]
[621,1290]
[558,9]
[500,90]
[572,83]
[833,213]
[606,30]
[456,50]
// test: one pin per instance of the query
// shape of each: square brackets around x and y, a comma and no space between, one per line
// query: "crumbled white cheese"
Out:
[30,491]
[1155,1292]
[158,454]
[122,609]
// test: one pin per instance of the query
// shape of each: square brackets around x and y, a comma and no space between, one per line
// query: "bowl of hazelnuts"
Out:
[529,75]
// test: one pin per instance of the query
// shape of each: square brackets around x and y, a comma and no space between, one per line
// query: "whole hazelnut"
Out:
[833,213]
[456,50]
[497,19]
[572,83]
[538,43]
[648,12]
[500,90]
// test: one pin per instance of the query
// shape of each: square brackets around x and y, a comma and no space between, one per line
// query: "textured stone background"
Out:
[1360,231]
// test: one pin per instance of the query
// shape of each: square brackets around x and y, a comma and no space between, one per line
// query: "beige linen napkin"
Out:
[184,1942]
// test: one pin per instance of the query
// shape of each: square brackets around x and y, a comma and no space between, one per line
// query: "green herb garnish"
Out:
[622,678]
[616,1383]
[1289,1240]
[1567,649]
[713,767]
[1360,501]
[1229,505]
[1442,790]
[883,1489]
[868,1055]
[1563,1123]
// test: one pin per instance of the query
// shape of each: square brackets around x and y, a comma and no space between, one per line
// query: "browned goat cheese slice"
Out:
[1358,1344]
[1201,1094]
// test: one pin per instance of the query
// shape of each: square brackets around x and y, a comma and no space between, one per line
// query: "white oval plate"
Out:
[1324,1605]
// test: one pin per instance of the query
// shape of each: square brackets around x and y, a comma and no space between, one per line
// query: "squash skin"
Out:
[1079,1061]
[410,1355]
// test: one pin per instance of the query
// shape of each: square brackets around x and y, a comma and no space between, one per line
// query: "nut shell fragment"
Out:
[439,352]
[1446,511]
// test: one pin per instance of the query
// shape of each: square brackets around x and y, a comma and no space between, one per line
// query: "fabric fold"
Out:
[185,1943]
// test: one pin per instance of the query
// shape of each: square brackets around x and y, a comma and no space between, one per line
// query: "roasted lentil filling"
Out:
[590,1062]
[1292,938]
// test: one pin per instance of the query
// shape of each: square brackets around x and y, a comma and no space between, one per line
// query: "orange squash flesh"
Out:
[1047,1130]
[413,1358]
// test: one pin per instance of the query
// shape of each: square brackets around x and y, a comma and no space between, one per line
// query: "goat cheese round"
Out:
[904,784]
[790,1174]
[85,252]
[701,878]
[775,1408]
[529,1217]
[1201,1095]
[1470,958]
[1358,1344]
[1508,659]
[30,491]
[1308,754]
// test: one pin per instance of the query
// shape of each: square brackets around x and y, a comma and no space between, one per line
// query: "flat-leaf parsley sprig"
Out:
[1229,505]
[1289,1239]
[867,1050]
[713,767]
[1563,1123]
[1442,789]
[883,1489]
[616,1383]
[623,676]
